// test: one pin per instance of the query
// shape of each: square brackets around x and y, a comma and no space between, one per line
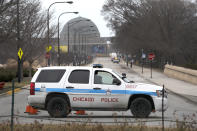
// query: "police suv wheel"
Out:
[141,107]
[58,107]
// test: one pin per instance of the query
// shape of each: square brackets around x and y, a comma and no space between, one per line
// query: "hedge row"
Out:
[7,75]
[191,66]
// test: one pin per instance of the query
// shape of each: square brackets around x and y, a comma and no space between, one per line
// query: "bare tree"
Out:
[7,19]
[33,27]
[34,32]
[167,27]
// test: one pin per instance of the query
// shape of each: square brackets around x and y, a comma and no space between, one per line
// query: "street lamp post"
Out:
[59,33]
[81,34]
[69,2]
[18,43]
[78,32]
[87,36]
[68,39]
[68,35]
[72,23]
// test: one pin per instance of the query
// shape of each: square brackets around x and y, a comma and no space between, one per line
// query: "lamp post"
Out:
[81,34]
[88,36]
[71,24]
[69,2]
[68,34]
[18,43]
[59,33]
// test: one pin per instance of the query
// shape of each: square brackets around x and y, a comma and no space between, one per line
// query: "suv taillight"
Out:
[32,88]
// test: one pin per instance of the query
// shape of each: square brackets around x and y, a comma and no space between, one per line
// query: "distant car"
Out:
[116,60]
[113,56]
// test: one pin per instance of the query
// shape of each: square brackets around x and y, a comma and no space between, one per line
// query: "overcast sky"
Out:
[90,9]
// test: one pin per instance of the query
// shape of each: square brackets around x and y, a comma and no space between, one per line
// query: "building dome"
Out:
[77,29]
[84,38]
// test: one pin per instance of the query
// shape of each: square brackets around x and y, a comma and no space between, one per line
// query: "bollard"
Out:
[1,85]
[151,69]
[12,108]
[162,108]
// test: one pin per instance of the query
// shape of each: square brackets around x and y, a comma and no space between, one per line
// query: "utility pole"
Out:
[18,42]
[68,38]
[48,32]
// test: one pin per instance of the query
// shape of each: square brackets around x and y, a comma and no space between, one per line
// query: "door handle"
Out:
[69,87]
[97,88]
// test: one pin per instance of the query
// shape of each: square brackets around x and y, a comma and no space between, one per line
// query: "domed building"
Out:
[79,35]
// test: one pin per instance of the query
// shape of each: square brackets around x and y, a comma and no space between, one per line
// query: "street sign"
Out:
[20,53]
[151,56]
[48,48]
[143,56]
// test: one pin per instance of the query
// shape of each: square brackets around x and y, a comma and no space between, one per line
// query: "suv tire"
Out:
[58,107]
[141,107]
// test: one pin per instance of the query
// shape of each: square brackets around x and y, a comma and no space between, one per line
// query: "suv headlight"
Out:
[160,92]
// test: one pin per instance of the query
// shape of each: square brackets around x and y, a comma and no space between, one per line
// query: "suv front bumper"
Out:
[116,61]
[158,103]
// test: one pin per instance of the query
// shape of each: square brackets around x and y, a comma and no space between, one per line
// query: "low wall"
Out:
[181,73]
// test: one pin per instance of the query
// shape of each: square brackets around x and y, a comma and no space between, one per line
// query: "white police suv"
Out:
[59,90]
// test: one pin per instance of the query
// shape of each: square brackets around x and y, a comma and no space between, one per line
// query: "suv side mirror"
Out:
[116,81]
[124,75]
[132,82]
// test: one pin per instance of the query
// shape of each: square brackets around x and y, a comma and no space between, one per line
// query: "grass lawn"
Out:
[86,127]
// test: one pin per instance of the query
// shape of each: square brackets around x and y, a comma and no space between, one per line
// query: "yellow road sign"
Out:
[48,48]
[20,53]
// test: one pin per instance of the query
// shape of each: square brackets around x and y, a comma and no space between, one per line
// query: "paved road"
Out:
[179,108]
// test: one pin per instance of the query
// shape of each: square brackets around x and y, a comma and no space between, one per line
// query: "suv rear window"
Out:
[79,76]
[50,75]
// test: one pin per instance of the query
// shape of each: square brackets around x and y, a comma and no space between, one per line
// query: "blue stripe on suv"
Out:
[97,91]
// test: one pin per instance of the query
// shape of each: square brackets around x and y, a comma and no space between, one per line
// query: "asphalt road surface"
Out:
[179,108]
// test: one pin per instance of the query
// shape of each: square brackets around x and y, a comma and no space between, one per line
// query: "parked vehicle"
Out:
[113,56]
[59,90]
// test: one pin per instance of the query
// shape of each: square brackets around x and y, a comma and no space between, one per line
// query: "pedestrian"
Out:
[131,63]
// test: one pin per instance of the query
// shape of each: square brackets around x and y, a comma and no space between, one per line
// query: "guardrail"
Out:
[181,73]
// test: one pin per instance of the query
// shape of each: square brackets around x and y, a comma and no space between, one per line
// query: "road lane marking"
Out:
[15,90]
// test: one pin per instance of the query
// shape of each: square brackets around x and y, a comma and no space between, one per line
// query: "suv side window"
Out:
[103,77]
[50,75]
[79,76]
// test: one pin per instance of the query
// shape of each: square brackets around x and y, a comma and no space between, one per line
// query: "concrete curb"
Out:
[169,90]
[3,94]
[15,90]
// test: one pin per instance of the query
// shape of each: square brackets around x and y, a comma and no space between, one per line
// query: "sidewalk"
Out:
[181,88]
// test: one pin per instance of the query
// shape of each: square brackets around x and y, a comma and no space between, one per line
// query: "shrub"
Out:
[191,66]
[26,72]
[7,75]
